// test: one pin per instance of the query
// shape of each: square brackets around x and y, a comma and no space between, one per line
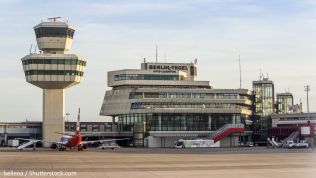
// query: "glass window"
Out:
[68,62]
[95,128]
[83,127]
[54,32]
[89,127]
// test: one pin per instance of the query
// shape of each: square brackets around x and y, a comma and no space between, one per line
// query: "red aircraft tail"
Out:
[78,123]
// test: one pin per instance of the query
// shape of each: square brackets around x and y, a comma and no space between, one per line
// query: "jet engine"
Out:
[53,146]
[84,146]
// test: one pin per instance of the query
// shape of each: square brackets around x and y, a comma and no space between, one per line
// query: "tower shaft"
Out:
[53,114]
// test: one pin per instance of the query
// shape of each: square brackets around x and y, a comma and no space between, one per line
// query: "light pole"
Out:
[67,114]
[307,89]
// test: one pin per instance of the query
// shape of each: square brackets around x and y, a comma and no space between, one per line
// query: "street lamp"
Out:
[307,89]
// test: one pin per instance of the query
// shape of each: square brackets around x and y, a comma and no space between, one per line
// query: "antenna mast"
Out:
[35,49]
[156,54]
[31,49]
[239,71]
[53,18]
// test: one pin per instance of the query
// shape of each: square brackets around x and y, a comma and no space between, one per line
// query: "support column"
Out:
[53,114]
[209,122]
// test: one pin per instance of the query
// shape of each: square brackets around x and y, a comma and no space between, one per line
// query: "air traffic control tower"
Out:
[54,71]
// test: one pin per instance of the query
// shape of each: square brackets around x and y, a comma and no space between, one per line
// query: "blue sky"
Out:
[278,37]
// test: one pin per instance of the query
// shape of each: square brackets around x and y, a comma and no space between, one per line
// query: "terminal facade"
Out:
[168,103]
[34,130]
[163,102]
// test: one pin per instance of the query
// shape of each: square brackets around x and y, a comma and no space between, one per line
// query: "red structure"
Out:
[283,131]
[227,130]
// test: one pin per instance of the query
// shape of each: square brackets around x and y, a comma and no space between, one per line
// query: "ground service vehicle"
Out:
[198,143]
[292,144]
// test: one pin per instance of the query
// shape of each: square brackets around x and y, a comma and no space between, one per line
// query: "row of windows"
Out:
[177,122]
[89,127]
[184,105]
[162,86]
[55,61]
[54,32]
[53,72]
[21,126]
[140,95]
[146,77]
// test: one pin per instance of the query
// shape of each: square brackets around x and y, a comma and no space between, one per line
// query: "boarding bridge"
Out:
[227,130]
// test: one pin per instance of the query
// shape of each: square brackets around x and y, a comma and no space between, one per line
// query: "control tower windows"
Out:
[55,61]
[54,32]
[54,72]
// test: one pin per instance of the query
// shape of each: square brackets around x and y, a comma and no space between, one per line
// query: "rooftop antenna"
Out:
[31,49]
[165,56]
[239,71]
[156,54]
[144,60]
[53,18]
[260,75]
[268,76]
[35,49]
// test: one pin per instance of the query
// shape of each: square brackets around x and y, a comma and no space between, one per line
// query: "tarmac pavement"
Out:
[160,163]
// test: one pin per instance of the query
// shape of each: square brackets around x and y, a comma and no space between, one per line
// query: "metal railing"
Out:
[225,127]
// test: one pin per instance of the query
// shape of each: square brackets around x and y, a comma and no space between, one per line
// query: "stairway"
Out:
[21,147]
[227,130]
[293,136]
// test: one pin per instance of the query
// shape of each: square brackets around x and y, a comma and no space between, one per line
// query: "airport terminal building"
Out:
[163,102]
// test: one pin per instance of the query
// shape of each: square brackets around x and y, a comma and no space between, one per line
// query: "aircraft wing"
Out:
[30,140]
[70,134]
[101,141]
[34,140]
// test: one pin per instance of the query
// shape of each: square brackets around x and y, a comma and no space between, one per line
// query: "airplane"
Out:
[68,140]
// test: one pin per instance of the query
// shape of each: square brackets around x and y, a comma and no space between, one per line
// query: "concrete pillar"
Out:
[209,122]
[159,121]
[5,136]
[53,114]
[5,139]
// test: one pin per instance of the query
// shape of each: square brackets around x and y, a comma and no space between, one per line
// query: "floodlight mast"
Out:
[307,89]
